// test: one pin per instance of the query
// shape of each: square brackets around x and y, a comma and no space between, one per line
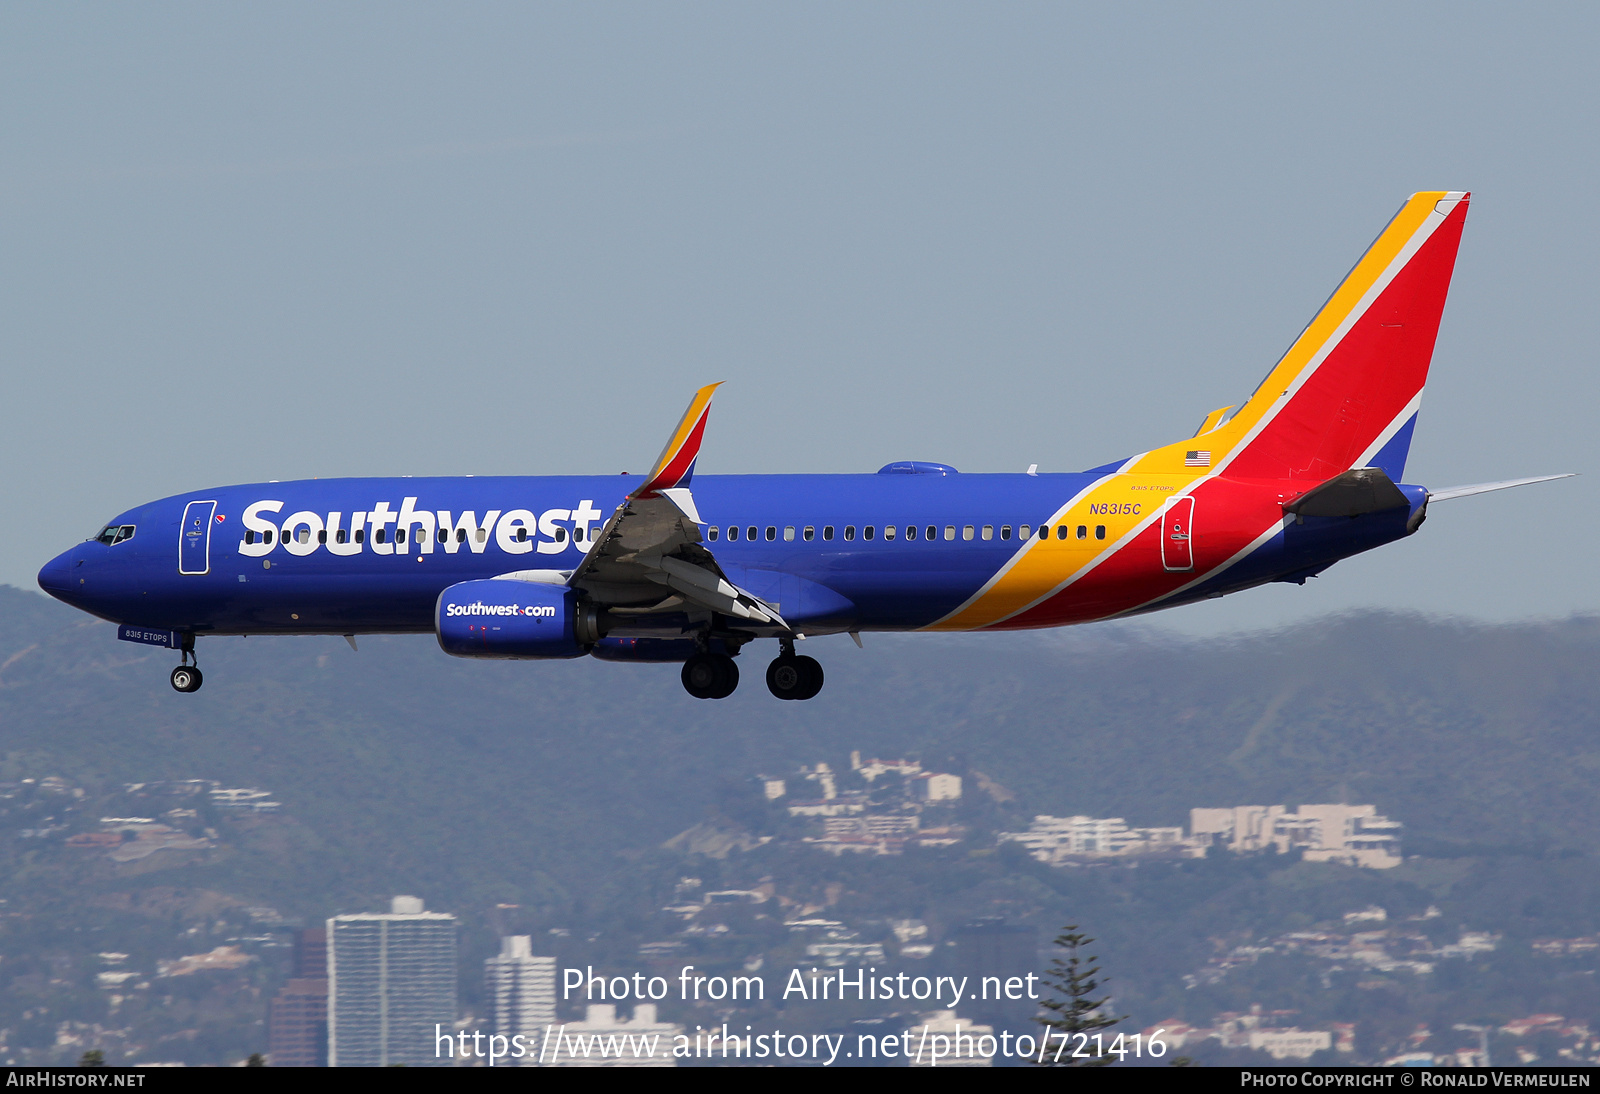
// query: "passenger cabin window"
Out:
[988,531]
[949,531]
[809,533]
[1026,530]
[399,535]
[1083,531]
[250,537]
[933,533]
[1099,531]
[481,535]
[561,535]
[712,533]
[1005,531]
[911,531]
[461,536]
[788,533]
[733,531]
[966,532]
[772,533]
[888,531]
[827,531]
[379,535]
[868,532]
[522,535]
[361,536]
[322,536]
[750,533]
[266,537]
[341,536]
[849,531]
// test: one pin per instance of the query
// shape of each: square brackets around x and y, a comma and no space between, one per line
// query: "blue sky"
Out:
[244,243]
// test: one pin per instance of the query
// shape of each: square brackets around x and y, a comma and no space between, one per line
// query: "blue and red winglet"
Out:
[675,466]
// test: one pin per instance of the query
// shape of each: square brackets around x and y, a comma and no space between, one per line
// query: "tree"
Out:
[93,1058]
[1075,978]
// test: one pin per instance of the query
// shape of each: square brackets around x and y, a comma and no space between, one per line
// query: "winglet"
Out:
[675,466]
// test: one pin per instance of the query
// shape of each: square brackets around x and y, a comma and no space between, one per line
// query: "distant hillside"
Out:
[412,771]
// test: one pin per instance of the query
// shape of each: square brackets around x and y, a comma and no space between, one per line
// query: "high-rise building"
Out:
[310,954]
[297,1023]
[522,991]
[391,986]
[989,949]
[602,1039]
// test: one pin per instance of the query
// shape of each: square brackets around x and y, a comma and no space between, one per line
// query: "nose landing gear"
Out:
[187,677]
[710,676]
[791,677]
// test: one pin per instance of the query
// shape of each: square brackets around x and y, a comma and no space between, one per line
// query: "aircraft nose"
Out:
[56,576]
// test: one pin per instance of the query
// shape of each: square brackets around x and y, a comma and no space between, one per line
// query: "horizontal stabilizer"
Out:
[1485,487]
[1363,490]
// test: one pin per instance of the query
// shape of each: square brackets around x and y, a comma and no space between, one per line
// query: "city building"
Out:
[521,991]
[1351,834]
[1058,839]
[297,1025]
[931,786]
[991,949]
[297,1020]
[391,984]
[603,1039]
[1257,1029]
[961,1041]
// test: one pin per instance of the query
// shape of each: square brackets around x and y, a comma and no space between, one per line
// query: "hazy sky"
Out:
[269,242]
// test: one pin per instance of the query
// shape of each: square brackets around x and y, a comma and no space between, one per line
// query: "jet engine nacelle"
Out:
[515,620]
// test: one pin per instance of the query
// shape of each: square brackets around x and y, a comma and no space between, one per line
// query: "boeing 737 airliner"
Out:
[668,567]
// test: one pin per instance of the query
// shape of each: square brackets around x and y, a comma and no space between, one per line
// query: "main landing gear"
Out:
[791,677]
[187,677]
[710,676]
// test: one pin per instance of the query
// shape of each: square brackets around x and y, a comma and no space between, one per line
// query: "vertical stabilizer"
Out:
[1346,394]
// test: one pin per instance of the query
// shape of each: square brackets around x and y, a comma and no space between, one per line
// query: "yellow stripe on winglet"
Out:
[697,407]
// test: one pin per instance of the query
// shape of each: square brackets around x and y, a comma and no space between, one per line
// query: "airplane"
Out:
[670,567]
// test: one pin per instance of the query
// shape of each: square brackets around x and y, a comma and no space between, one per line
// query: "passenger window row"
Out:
[754,533]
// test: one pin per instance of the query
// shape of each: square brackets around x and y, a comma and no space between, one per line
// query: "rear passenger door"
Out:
[1177,531]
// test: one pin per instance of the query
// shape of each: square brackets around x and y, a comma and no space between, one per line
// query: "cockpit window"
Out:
[115,533]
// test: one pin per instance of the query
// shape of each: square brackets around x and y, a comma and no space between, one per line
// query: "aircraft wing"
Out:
[649,557]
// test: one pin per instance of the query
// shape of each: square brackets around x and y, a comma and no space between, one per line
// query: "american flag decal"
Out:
[1201,458]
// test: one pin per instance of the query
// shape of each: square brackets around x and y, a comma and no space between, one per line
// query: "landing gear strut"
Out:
[710,676]
[791,677]
[186,677]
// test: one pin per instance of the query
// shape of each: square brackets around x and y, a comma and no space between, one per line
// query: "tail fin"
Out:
[1347,392]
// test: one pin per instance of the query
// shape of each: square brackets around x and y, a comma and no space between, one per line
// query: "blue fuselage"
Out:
[354,556]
